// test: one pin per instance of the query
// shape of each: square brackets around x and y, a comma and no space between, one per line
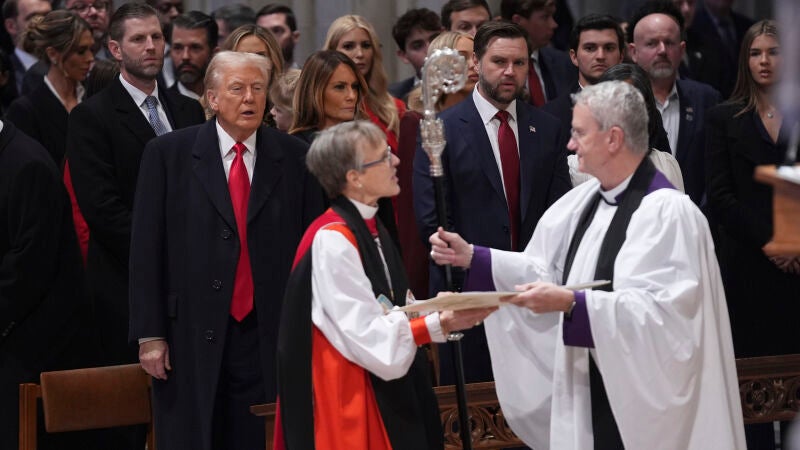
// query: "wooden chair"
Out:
[86,399]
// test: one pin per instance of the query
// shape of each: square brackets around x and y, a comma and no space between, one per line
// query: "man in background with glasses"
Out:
[96,13]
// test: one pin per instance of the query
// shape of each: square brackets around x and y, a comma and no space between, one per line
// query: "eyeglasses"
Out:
[167,7]
[81,7]
[386,159]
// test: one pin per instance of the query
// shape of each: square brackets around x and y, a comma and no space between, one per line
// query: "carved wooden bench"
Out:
[769,388]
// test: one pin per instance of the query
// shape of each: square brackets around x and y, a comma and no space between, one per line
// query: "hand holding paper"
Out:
[473,300]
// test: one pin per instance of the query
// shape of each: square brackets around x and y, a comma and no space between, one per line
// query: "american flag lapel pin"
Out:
[532,128]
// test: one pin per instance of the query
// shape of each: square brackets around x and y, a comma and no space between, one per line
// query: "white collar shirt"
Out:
[226,143]
[671,116]
[139,97]
[487,111]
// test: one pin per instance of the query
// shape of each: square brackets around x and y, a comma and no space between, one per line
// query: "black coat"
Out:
[184,252]
[695,100]
[42,116]
[43,312]
[105,139]
[703,34]
[558,72]
[762,300]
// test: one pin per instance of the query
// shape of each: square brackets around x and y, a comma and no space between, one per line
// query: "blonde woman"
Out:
[356,38]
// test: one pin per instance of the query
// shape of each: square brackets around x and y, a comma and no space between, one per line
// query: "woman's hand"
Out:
[450,248]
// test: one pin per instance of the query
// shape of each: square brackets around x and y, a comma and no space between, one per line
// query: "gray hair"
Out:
[339,149]
[227,60]
[617,103]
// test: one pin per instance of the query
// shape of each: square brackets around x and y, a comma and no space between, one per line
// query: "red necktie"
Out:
[239,186]
[509,160]
[535,85]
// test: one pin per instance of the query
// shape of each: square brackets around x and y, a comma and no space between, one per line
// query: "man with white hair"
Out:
[220,211]
[645,362]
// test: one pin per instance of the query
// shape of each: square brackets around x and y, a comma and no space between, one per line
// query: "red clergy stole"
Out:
[239,187]
[509,160]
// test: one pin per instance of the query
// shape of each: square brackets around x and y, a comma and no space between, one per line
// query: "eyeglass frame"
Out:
[387,158]
[98,5]
[164,8]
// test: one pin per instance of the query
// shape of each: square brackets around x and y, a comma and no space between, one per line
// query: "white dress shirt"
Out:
[487,112]
[139,97]
[226,143]
[671,116]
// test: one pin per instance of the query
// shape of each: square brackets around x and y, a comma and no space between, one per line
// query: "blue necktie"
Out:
[152,115]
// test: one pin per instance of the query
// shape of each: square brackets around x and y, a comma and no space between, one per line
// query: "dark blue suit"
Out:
[476,200]
[400,89]
[705,33]
[558,72]
[695,99]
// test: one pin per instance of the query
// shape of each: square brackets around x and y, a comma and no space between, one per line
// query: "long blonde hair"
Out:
[377,97]
[746,89]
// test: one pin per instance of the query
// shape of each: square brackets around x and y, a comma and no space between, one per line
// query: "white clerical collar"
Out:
[226,142]
[610,196]
[366,211]
[137,94]
[487,111]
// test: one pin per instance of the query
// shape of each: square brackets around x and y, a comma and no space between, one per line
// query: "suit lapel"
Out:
[131,116]
[547,75]
[6,134]
[267,172]
[529,143]
[208,169]
[168,106]
[686,124]
[475,139]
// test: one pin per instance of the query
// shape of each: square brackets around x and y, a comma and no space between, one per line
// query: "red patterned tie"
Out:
[509,160]
[535,85]
[239,186]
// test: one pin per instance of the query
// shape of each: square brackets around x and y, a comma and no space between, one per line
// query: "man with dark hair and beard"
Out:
[105,138]
[505,163]
[193,34]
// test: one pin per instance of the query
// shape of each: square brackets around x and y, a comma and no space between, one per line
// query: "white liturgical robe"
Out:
[661,339]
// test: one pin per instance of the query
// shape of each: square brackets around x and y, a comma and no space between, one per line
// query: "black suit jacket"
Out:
[41,116]
[43,312]
[558,72]
[741,213]
[105,138]
[400,89]
[695,100]
[704,33]
[184,252]
[475,196]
